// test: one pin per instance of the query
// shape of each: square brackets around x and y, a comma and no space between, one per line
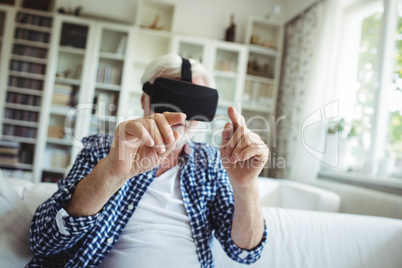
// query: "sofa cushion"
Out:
[298,239]
[33,194]
[15,218]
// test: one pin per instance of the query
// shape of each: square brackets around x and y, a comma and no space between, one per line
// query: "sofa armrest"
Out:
[269,192]
[301,196]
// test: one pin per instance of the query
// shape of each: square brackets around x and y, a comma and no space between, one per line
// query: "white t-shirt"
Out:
[158,234]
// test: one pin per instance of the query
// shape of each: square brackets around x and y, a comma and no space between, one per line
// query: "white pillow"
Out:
[15,218]
[33,194]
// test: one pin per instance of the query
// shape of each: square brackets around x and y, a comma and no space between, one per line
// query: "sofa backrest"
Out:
[359,200]
[296,195]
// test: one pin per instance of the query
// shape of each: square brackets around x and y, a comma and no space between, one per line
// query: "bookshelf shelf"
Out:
[109,118]
[261,79]
[56,141]
[55,170]
[19,139]
[22,107]
[31,43]
[73,50]
[155,16]
[68,81]
[61,110]
[33,27]
[35,12]
[20,123]
[258,109]
[25,91]
[112,56]
[29,59]
[226,74]
[110,87]
[27,75]
[264,50]
[17,166]
[156,33]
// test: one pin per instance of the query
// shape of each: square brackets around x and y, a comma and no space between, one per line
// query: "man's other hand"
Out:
[243,152]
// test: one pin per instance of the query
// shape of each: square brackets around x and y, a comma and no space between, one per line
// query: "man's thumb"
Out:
[226,134]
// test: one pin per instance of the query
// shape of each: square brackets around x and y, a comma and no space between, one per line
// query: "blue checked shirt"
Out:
[85,241]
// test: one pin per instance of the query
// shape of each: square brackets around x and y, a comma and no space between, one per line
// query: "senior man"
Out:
[148,196]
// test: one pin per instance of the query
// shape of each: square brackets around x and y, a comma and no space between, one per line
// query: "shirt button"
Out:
[150,175]
[110,240]
[130,207]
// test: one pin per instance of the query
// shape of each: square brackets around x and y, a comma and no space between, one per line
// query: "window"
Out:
[369,89]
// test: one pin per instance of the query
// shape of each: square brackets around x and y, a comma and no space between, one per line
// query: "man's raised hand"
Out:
[142,144]
[243,152]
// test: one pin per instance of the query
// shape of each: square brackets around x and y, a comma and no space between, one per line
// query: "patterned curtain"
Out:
[298,54]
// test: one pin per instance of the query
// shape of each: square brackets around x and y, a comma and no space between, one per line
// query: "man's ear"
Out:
[144,102]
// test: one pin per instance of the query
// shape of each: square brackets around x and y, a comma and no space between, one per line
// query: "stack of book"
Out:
[57,158]
[258,94]
[19,131]
[108,75]
[32,35]
[9,152]
[18,98]
[105,104]
[27,67]
[21,115]
[22,50]
[26,155]
[62,94]
[56,132]
[25,83]
[34,20]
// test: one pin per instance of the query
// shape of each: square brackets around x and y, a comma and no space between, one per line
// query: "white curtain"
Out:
[303,97]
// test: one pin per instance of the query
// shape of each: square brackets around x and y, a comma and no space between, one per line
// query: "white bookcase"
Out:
[264,40]
[23,87]
[89,71]
[87,81]
[109,77]
[6,33]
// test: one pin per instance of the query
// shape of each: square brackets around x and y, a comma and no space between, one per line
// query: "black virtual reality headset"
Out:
[168,95]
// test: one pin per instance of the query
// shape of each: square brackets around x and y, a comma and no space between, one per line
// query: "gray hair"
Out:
[169,66]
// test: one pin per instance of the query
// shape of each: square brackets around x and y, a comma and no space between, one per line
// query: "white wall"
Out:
[207,18]
[293,7]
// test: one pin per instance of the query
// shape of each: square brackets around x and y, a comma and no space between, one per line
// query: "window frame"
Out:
[380,119]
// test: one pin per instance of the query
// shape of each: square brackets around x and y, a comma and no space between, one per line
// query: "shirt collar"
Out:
[188,148]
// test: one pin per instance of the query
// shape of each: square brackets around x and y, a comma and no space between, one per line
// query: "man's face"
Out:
[184,128]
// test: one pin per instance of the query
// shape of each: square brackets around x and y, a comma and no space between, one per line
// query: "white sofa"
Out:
[296,237]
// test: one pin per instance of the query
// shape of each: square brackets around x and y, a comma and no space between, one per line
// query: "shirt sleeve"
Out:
[222,215]
[52,230]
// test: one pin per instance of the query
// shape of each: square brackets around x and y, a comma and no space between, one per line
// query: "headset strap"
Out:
[148,88]
[185,76]
[186,71]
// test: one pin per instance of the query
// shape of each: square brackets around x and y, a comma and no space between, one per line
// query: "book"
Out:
[122,45]
[62,94]
[9,151]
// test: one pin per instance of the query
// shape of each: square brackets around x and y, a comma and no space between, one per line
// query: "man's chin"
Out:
[182,141]
[178,128]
